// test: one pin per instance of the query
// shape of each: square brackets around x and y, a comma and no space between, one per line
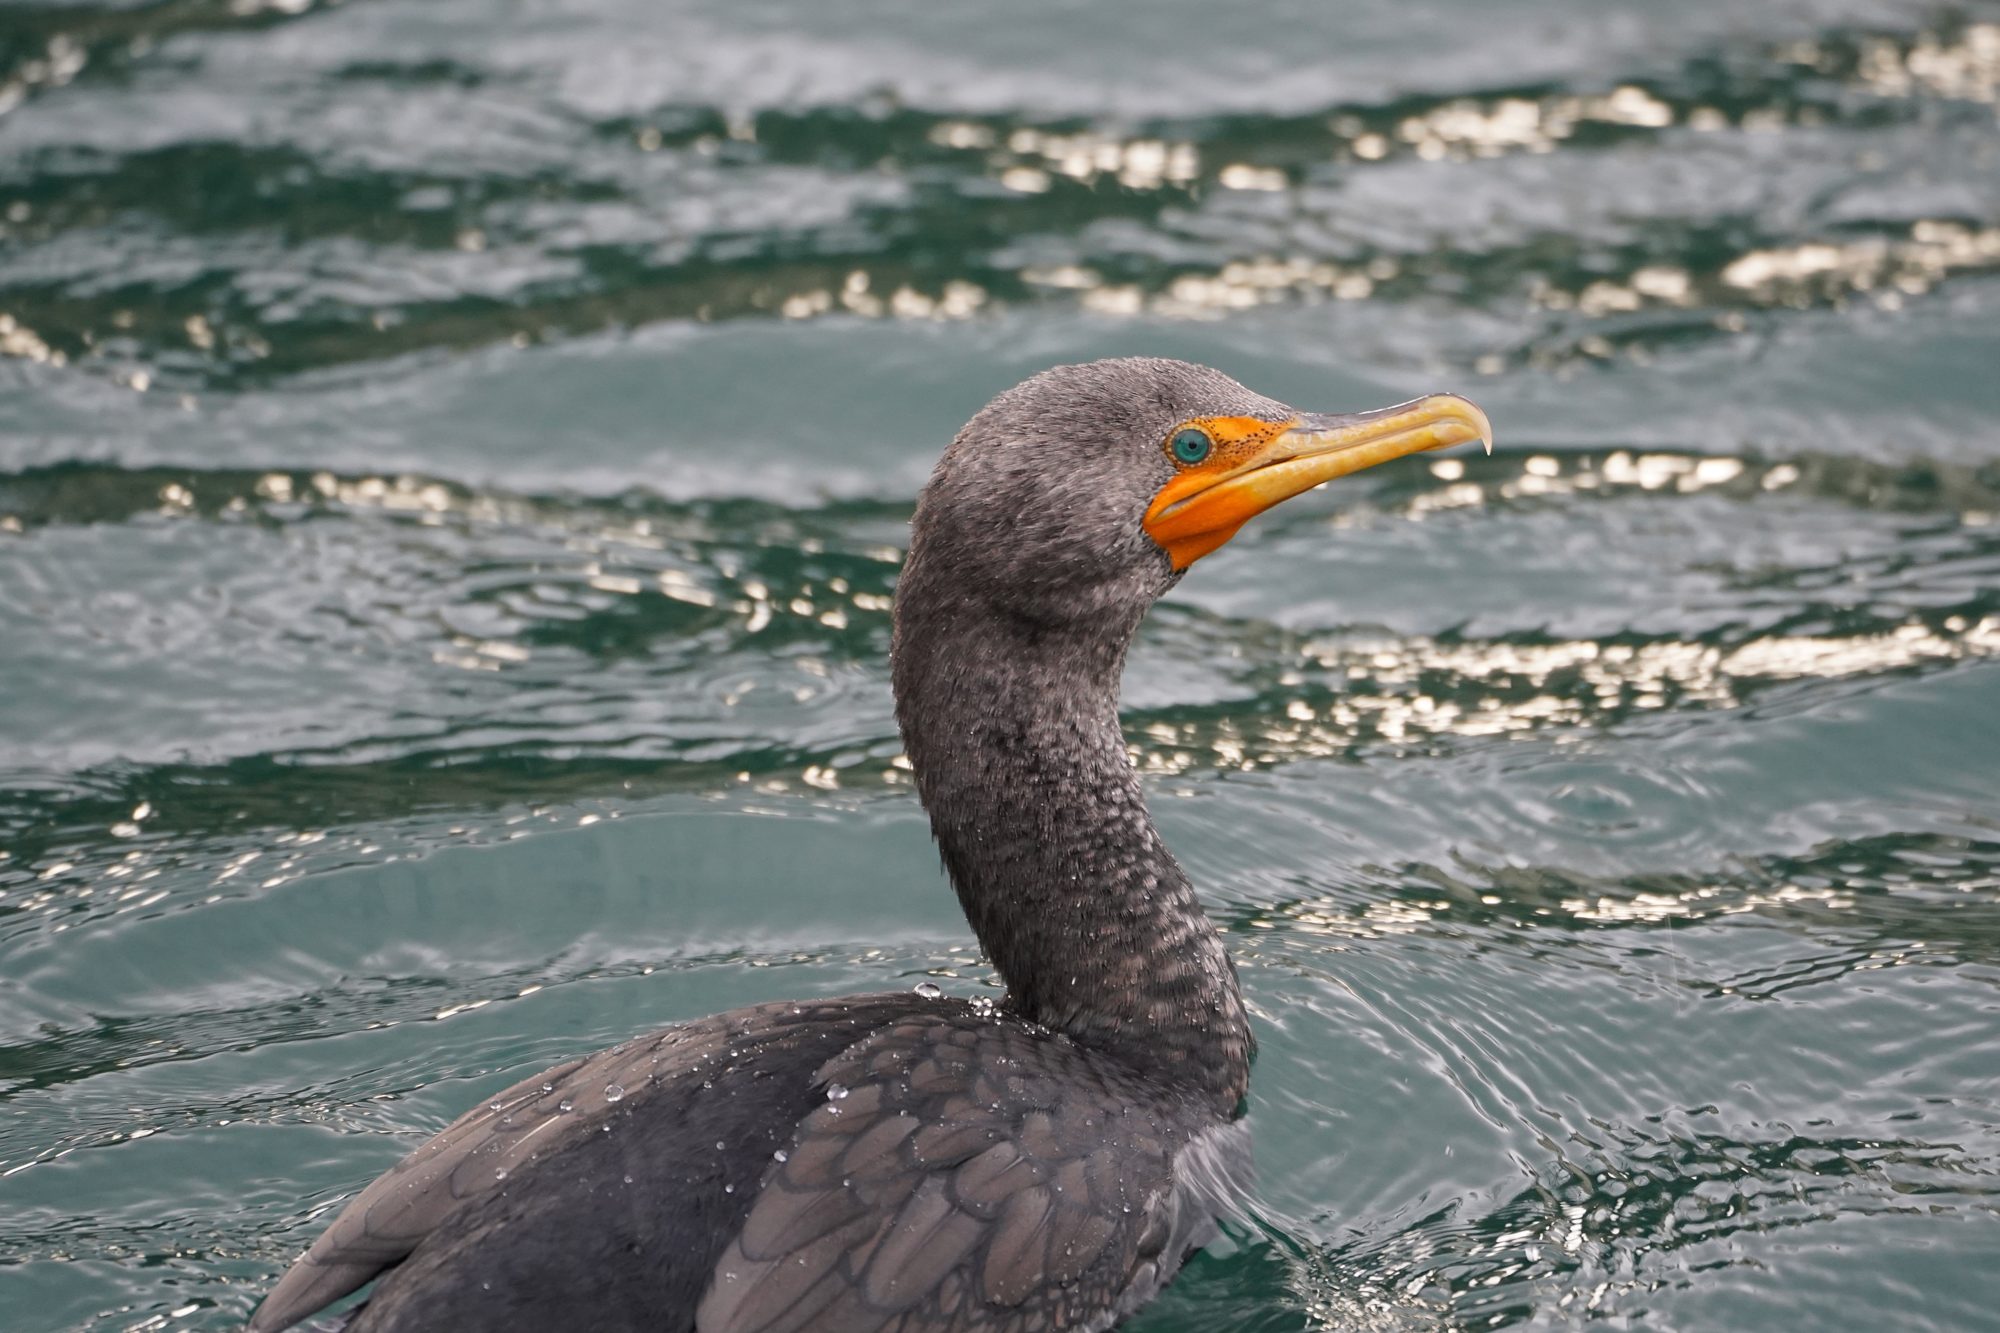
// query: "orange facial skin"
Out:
[1253,464]
[1238,441]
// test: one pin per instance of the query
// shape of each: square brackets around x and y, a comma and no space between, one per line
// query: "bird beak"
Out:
[1203,506]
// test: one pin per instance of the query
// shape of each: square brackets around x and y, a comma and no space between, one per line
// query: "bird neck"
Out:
[1012,732]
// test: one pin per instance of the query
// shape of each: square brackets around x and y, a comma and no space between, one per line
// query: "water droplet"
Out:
[836,1091]
[500,1174]
[628,1180]
[781,1155]
[720,1146]
[929,990]
[612,1092]
[548,1087]
[565,1104]
[729,1189]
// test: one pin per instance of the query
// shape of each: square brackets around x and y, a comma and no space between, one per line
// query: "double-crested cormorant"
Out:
[913,1161]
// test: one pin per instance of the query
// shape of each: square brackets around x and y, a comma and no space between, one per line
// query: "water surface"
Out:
[454,465]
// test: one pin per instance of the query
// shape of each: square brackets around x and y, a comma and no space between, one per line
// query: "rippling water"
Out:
[454,461]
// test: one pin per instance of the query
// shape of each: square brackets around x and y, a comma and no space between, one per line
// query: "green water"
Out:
[454,459]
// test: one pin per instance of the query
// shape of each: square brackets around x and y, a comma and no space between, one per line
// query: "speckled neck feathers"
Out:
[1011,723]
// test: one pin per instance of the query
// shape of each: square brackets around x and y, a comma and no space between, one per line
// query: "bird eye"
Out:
[1190,446]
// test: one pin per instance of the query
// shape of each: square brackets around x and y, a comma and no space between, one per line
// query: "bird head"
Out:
[1085,492]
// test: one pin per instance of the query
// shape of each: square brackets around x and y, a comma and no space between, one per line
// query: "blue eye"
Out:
[1190,446]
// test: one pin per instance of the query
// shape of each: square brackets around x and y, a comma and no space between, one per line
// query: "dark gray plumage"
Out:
[895,1161]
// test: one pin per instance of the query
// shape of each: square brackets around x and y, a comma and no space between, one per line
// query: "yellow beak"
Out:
[1203,506]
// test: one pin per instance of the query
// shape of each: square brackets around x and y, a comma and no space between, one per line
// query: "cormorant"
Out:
[911,1161]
